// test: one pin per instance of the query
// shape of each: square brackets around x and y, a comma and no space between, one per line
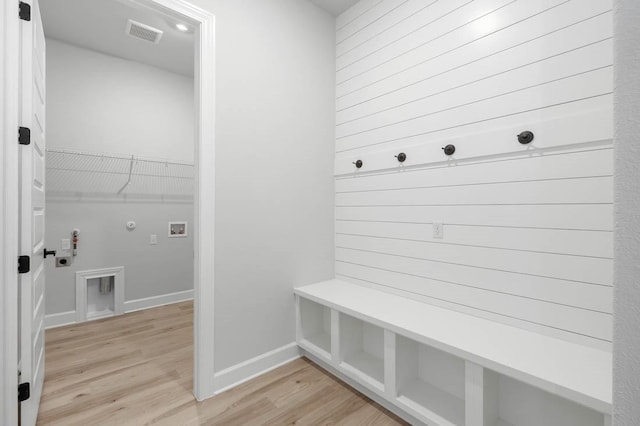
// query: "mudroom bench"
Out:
[445,368]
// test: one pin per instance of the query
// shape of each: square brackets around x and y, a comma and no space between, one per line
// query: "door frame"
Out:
[204,85]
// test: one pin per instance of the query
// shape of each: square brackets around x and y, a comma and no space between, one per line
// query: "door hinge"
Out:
[24,264]
[24,136]
[24,391]
[24,11]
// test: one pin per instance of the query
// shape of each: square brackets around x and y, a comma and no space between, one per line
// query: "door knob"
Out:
[49,253]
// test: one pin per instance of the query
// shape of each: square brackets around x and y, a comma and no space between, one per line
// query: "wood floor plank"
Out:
[136,369]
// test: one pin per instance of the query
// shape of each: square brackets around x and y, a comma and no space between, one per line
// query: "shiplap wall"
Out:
[527,234]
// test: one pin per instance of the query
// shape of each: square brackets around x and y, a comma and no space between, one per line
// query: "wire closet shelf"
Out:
[105,175]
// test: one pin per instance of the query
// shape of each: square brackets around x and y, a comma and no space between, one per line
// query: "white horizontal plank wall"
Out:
[527,228]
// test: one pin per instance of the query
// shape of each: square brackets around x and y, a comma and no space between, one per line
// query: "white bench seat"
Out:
[578,373]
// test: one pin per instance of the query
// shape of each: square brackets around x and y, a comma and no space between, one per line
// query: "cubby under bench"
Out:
[442,367]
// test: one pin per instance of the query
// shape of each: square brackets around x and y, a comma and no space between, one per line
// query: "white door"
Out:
[31,287]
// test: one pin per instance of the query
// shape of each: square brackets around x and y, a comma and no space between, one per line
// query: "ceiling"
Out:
[100,25]
[335,7]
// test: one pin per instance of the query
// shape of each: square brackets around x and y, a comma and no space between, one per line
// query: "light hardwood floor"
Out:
[136,369]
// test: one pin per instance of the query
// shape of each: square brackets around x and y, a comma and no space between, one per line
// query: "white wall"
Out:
[150,270]
[102,103]
[274,152]
[99,103]
[626,339]
[527,230]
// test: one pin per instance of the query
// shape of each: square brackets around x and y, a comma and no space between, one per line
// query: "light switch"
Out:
[153,240]
[65,244]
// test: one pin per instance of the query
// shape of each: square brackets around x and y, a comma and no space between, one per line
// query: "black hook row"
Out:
[524,138]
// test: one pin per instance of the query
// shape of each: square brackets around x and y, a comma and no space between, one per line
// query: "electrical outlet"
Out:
[62,262]
[438,230]
[153,240]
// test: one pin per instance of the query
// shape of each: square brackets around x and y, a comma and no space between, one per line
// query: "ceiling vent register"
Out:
[143,32]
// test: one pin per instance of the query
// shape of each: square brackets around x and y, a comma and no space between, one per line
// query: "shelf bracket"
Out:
[128,180]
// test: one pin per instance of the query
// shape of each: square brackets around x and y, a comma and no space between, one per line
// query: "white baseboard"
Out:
[247,370]
[59,319]
[66,318]
[155,301]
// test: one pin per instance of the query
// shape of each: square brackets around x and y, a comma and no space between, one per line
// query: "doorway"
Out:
[119,163]
[203,24]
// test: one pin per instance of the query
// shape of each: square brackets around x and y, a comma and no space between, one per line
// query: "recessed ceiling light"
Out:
[182,27]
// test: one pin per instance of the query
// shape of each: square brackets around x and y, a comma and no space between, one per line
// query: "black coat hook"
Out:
[449,149]
[401,157]
[358,163]
[525,137]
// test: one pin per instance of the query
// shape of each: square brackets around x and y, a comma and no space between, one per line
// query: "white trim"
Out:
[586,127]
[70,317]
[156,301]
[204,368]
[60,319]
[81,290]
[9,69]
[254,367]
